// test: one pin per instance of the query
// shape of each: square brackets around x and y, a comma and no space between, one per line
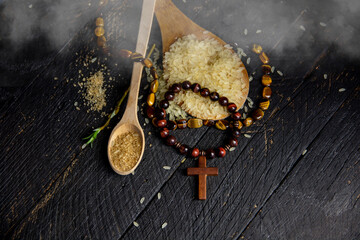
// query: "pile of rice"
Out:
[213,66]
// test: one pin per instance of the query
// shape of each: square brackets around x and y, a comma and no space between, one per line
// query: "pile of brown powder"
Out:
[125,151]
[95,93]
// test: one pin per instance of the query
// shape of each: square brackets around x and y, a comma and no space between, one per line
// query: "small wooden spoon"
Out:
[129,121]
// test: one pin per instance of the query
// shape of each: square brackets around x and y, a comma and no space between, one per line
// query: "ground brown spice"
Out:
[125,151]
[95,93]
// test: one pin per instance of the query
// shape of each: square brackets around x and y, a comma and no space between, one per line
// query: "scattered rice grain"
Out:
[166,167]
[342,90]
[247,135]
[251,78]
[159,195]
[272,69]
[232,149]
[280,73]
[136,224]
[147,121]
[258,31]
[245,31]
[322,24]
[142,200]
[164,225]
[325,76]
[248,61]
[141,96]
[304,152]
[302,27]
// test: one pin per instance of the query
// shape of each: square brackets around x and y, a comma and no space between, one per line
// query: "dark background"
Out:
[297,177]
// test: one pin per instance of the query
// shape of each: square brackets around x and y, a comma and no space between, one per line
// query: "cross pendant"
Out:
[202,171]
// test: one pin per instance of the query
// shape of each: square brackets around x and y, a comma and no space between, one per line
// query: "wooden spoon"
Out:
[174,24]
[129,121]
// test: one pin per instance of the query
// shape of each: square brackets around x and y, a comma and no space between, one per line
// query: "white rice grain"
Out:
[159,195]
[342,89]
[142,200]
[164,225]
[280,73]
[302,27]
[136,224]
[166,167]
[245,31]
[247,135]
[322,24]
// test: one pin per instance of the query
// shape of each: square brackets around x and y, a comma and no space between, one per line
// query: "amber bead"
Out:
[176,88]
[99,22]
[101,41]
[171,125]
[258,114]
[184,149]
[205,92]
[147,62]
[231,107]
[266,80]
[161,123]
[266,69]
[248,121]
[151,99]
[164,132]
[223,101]
[257,48]
[154,121]
[169,95]
[236,124]
[171,140]
[220,152]
[210,153]
[236,132]
[125,53]
[236,116]
[266,92]
[214,96]
[195,87]
[209,123]
[160,113]
[164,104]
[154,86]
[186,85]
[233,142]
[264,105]
[195,152]
[181,124]
[154,73]
[150,112]
[264,58]
[222,124]
[195,123]
[99,31]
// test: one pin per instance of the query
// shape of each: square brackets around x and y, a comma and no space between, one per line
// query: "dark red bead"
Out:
[223,101]
[236,133]
[171,125]
[195,87]
[164,104]
[210,153]
[161,123]
[181,124]
[176,88]
[231,107]
[160,113]
[220,152]
[184,149]
[195,152]
[236,116]
[204,92]
[233,142]
[150,112]
[214,96]
[169,95]
[171,140]
[209,123]
[186,85]
[164,132]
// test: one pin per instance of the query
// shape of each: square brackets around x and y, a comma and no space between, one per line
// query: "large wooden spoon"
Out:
[129,121]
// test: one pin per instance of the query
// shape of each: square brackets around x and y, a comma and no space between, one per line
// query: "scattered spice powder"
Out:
[95,93]
[125,151]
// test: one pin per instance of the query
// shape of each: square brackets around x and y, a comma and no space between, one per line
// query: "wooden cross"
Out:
[202,171]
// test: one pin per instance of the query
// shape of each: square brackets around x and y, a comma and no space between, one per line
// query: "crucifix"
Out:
[202,171]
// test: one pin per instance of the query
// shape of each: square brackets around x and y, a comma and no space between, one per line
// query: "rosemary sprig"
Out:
[91,138]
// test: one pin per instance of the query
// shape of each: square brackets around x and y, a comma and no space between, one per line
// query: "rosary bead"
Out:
[186,85]
[227,147]
[205,92]
[223,101]
[248,121]
[236,116]
[164,132]
[99,31]
[137,57]
[195,123]
[266,80]
[125,53]
[171,125]
[258,114]
[184,149]
[147,62]
[266,69]
[257,48]
[176,88]
[222,124]
[150,112]
[160,113]
[264,58]
[266,92]
[151,99]
[169,95]
[195,152]
[161,123]
[195,87]
[264,105]
[210,153]
[214,96]
[154,73]
[181,124]
[101,41]
[171,140]
[164,104]
[233,142]
[209,123]
[99,22]
[220,152]
[236,133]
[231,107]
[154,121]
[154,86]
[236,124]
[202,153]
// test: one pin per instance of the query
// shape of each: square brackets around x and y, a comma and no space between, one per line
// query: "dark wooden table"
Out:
[297,177]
